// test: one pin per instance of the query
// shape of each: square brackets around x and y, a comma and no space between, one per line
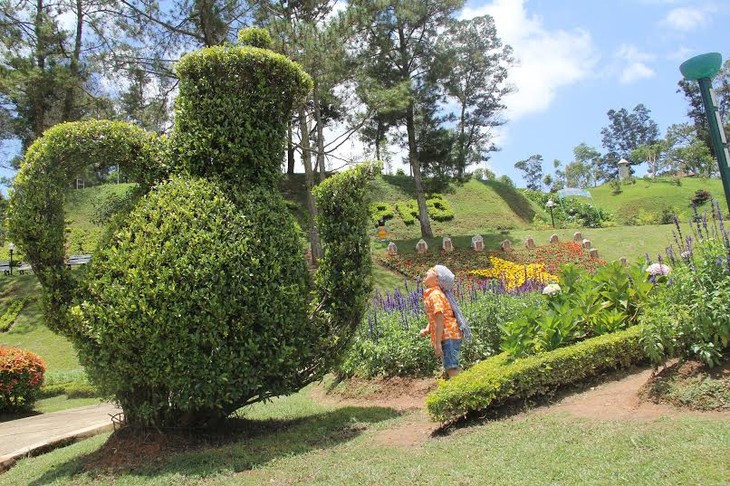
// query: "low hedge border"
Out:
[496,380]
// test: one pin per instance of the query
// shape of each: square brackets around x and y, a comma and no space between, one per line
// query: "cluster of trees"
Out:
[385,71]
[634,136]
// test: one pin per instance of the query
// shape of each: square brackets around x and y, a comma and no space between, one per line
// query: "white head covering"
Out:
[446,283]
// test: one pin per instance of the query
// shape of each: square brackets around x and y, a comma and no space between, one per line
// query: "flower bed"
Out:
[462,261]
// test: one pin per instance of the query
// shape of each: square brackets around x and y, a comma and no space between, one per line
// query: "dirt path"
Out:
[617,398]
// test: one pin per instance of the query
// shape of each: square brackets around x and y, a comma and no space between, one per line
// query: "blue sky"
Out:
[580,58]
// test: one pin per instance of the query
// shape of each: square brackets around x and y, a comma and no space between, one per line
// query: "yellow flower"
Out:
[514,275]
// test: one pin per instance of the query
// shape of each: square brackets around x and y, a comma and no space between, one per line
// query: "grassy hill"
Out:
[643,201]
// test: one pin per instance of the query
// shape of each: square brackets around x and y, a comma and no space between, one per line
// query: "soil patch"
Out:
[691,385]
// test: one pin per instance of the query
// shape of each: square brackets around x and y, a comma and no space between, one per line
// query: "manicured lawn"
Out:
[296,440]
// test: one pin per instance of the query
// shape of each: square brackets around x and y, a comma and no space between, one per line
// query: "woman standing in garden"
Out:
[446,324]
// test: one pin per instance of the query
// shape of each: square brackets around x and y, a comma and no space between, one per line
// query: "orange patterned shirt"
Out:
[435,302]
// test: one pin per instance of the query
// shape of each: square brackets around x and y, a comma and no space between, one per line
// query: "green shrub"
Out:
[406,211]
[71,390]
[232,114]
[700,197]
[381,211]
[21,377]
[194,294]
[615,186]
[36,215]
[588,304]
[497,380]
[691,318]
[439,209]
[11,313]
[255,37]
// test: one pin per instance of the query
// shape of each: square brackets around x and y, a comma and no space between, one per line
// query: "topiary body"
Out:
[200,302]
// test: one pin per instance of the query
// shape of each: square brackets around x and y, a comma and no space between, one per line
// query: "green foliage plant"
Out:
[200,302]
[11,313]
[255,37]
[439,208]
[588,304]
[406,211]
[381,211]
[498,380]
[700,197]
[690,319]
[21,377]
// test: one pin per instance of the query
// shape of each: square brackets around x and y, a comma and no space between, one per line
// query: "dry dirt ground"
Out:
[615,396]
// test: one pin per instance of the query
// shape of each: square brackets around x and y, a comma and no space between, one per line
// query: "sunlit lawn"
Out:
[298,440]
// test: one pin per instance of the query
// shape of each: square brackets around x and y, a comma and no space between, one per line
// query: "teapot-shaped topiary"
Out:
[201,302]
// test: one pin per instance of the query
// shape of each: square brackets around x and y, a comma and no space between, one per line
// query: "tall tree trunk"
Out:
[69,103]
[320,134]
[39,109]
[290,161]
[309,183]
[416,169]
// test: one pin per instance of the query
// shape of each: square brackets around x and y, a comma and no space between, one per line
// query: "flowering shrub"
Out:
[583,305]
[514,275]
[556,255]
[691,317]
[21,377]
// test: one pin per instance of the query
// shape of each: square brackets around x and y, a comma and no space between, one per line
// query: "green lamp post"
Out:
[702,69]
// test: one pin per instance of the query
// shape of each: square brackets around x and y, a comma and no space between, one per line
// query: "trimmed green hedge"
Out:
[381,211]
[496,380]
[406,211]
[439,209]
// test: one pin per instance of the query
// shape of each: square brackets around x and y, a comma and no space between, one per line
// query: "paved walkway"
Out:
[39,433]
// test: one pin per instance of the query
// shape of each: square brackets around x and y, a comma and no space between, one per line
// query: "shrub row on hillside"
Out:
[496,381]
[439,209]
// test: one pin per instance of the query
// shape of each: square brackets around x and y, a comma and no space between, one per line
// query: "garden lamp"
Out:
[702,69]
[550,205]
[11,248]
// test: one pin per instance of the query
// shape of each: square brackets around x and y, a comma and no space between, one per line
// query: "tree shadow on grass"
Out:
[238,445]
[516,201]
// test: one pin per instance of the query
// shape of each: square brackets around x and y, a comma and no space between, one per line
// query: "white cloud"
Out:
[547,60]
[634,64]
[686,19]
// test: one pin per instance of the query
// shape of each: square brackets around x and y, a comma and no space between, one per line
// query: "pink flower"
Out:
[656,269]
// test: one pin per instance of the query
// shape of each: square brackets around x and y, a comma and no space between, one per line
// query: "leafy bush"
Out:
[200,302]
[496,381]
[176,283]
[381,211]
[587,305]
[11,313]
[36,216]
[439,208]
[700,197]
[571,211]
[406,211]
[615,186]
[21,377]
[691,317]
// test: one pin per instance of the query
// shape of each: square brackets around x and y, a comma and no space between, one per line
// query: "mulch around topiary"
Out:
[132,448]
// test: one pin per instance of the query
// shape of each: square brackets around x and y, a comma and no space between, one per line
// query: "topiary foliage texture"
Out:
[200,302]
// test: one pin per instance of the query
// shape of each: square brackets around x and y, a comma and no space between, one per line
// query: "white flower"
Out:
[685,254]
[551,289]
[657,269]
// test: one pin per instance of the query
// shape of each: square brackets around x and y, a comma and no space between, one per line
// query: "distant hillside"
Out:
[644,201]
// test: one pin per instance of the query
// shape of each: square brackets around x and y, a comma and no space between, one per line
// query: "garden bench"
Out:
[74,260]
[20,267]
